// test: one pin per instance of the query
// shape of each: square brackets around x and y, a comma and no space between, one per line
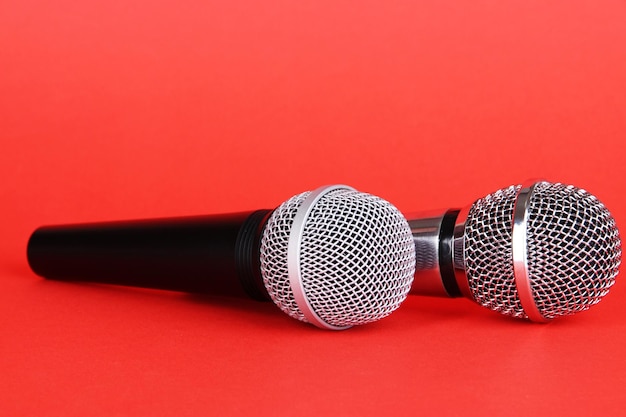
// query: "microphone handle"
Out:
[214,254]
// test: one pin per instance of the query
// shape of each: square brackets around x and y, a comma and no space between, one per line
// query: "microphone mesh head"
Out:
[489,252]
[573,250]
[357,257]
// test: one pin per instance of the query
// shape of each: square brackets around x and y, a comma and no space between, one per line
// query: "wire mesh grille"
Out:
[274,244]
[489,252]
[357,257]
[574,249]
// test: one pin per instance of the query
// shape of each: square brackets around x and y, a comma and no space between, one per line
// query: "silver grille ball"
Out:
[357,257]
[573,250]
[489,252]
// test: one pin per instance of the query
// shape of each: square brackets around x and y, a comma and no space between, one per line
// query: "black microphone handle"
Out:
[214,254]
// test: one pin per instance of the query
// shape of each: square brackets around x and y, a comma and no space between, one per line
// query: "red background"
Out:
[116,110]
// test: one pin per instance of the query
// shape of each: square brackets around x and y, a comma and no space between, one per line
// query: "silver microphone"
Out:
[536,251]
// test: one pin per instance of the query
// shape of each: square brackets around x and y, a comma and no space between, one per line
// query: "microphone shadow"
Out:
[232,303]
[440,309]
[238,308]
[437,309]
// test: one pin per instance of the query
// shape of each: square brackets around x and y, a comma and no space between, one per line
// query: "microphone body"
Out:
[536,251]
[333,257]
[216,254]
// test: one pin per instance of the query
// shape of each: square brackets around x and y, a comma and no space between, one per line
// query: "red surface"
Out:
[117,110]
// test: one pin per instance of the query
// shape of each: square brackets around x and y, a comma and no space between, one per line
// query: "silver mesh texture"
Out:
[489,252]
[357,257]
[274,244]
[574,249]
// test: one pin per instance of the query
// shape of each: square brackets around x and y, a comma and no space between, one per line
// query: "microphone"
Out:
[333,257]
[535,251]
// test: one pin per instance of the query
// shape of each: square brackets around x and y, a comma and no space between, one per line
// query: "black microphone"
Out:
[333,257]
[537,251]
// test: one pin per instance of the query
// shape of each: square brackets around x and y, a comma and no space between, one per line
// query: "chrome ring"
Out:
[458,253]
[293,256]
[520,253]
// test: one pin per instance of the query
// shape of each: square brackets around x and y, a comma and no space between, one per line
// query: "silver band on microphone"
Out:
[520,253]
[293,256]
